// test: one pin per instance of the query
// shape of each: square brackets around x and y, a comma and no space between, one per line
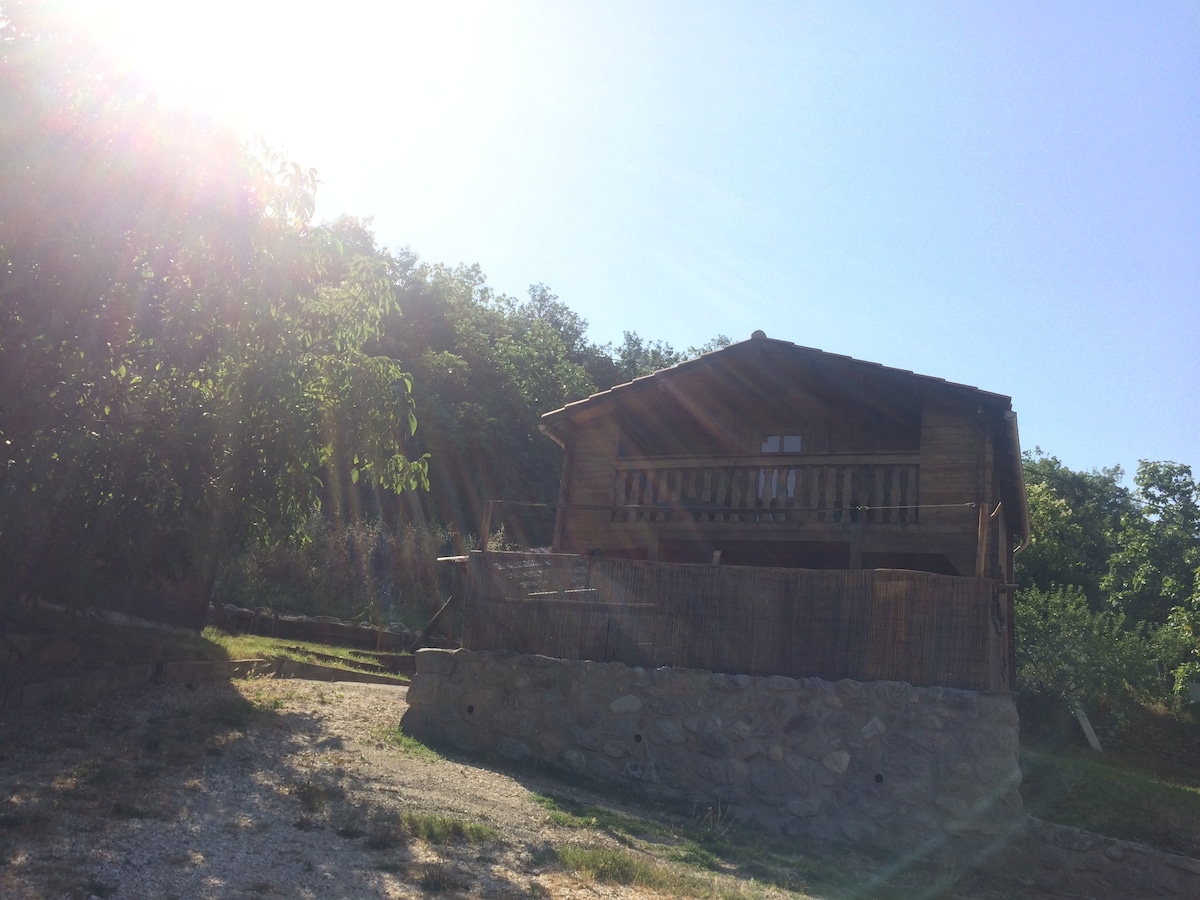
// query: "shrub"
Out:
[1082,657]
[359,571]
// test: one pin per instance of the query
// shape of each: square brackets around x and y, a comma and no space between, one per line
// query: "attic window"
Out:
[781,443]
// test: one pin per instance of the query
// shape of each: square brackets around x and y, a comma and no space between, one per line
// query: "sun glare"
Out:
[303,73]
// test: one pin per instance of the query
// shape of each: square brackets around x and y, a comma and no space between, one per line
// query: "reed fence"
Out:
[869,625]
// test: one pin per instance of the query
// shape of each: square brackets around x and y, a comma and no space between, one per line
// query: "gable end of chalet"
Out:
[771,454]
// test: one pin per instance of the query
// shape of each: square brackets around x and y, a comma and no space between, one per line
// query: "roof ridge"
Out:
[759,337]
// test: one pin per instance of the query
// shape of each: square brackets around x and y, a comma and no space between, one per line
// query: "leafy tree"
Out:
[1070,652]
[487,366]
[709,346]
[182,355]
[637,357]
[1075,518]
[1156,562]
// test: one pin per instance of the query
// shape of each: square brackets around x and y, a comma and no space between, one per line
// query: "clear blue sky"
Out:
[1003,194]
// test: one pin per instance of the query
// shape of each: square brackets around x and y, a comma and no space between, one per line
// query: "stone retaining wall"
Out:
[1076,863]
[880,764]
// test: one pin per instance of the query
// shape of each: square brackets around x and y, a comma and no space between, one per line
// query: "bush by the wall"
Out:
[357,571]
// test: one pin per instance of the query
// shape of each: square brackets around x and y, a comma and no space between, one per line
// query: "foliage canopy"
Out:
[1111,580]
[184,358]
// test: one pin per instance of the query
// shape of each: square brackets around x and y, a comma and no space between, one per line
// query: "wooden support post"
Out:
[1010,612]
[981,546]
[485,527]
[985,523]
[1086,725]
[856,546]
[419,642]
[652,551]
[560,514]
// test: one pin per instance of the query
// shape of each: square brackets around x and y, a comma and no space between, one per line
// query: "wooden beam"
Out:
[485,527]
[981,541]
[419,642]
[560,514]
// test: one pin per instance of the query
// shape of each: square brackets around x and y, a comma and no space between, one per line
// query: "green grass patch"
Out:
[689,853]
[1114,795]
[407,745]
[256,646]
[612,866]
[104,646]
[388,829]
[568,813]
[691,842]
[434,828]
[633,869]
[696,852]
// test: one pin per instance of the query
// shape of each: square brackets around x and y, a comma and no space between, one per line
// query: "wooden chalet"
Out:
[765,453]
[863,521]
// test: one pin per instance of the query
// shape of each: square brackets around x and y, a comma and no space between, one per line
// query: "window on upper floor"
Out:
[781,443]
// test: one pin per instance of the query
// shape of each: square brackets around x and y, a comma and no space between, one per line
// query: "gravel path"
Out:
[257,788]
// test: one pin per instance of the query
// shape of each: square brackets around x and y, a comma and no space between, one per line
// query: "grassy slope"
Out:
[1136,796]
[1144,787]
[102,646]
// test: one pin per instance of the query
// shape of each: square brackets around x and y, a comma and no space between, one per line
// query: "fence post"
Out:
[485,527]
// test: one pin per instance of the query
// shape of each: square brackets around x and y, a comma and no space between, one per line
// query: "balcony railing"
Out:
[884,492]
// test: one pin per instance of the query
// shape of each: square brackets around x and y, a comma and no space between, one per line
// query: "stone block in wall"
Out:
[435,662]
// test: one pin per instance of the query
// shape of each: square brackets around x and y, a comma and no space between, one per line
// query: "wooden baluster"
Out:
[847,492]
[885,494]
[656,494]
[794,489]
[731,491]
[898,513]
[737,493]
[914,493]
[878,475]
[833,487]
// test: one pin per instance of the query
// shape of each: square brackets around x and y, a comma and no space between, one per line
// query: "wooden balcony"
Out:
[867,488]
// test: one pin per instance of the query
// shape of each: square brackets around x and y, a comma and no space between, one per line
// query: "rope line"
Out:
[634,507]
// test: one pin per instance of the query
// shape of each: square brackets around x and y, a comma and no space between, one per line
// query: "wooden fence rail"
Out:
[880,624]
